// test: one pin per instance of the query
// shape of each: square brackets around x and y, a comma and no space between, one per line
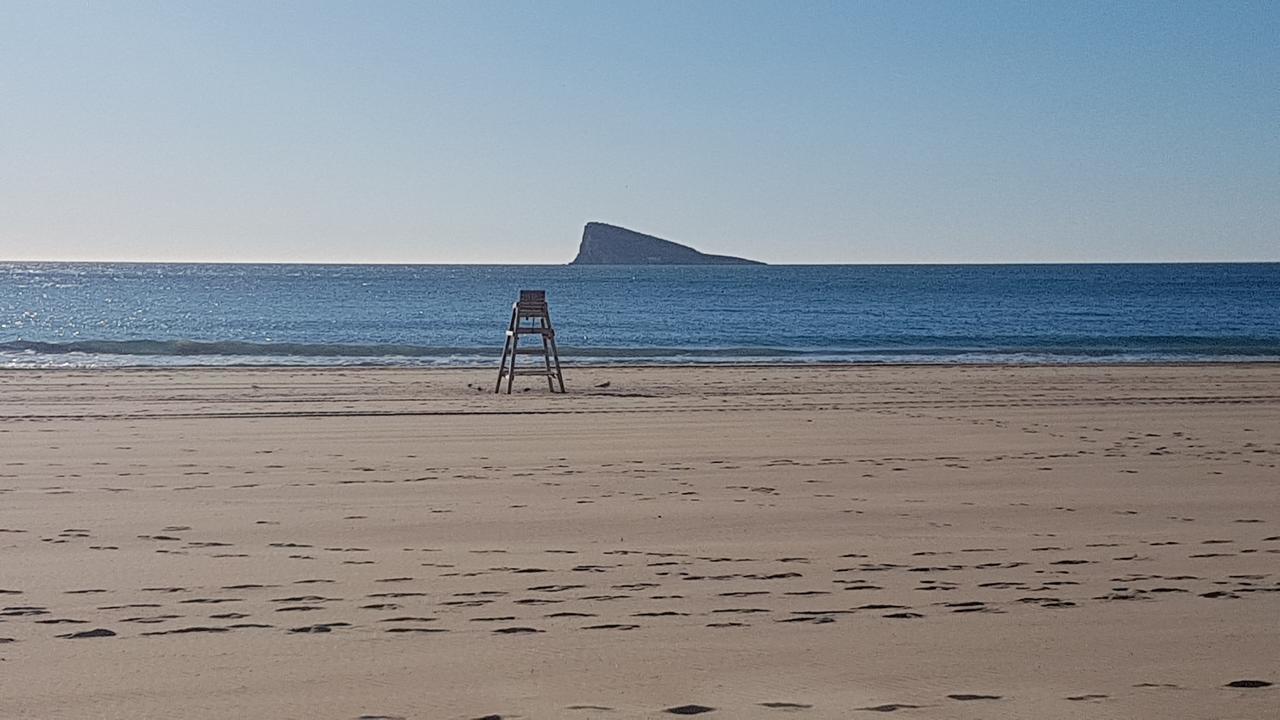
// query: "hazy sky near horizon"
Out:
[785,131]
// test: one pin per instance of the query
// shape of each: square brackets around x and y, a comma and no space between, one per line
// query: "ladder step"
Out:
[531,331]
[528,371]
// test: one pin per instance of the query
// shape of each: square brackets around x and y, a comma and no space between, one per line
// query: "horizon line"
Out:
[900,263]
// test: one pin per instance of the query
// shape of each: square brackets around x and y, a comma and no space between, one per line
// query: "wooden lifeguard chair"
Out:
[530,316]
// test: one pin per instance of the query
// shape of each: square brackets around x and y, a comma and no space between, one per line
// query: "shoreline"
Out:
[569,365]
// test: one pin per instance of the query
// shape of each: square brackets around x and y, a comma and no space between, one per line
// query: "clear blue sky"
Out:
[900,131]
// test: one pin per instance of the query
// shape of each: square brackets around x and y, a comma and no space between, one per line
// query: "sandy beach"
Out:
[748,542]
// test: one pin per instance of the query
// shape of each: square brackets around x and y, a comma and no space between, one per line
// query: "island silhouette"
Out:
[604,244]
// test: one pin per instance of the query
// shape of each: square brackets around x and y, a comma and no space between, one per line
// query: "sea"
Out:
[98,315]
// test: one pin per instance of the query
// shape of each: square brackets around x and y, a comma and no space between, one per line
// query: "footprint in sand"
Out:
[1249,684]
[811,619]
[190,630]
[151,619]
[95,633]
[321,628]
[305,599]
[972,607]
[785,706]
[23,611]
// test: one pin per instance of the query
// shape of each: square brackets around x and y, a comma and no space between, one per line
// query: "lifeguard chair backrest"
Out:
[533,299]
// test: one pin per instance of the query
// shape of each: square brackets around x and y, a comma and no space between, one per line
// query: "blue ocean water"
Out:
[103,315]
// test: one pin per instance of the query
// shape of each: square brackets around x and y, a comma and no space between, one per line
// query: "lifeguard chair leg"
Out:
[506,350]
[555,354]
[546,352]
[515,352]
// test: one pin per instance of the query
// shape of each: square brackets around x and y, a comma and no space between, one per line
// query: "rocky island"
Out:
[604,244]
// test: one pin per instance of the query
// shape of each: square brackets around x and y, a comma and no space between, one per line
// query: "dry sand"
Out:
[930,542]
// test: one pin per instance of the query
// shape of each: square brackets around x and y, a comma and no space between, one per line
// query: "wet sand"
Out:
[825,542]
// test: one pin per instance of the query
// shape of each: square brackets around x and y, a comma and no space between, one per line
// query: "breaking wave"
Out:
[906,349]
